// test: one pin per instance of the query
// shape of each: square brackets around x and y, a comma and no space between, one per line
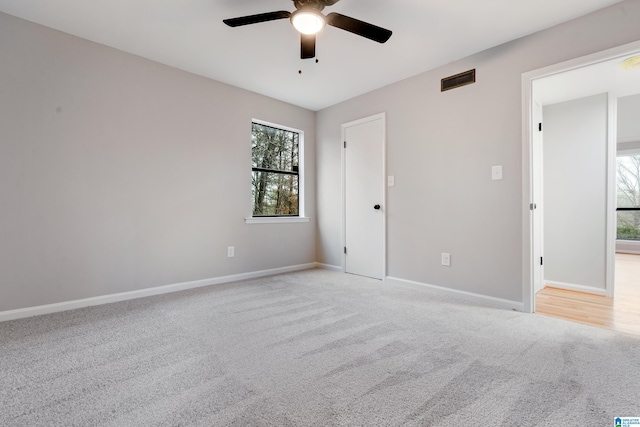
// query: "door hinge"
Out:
[345,144]
[540,127]
[345,250]
[541,263]
[532,206]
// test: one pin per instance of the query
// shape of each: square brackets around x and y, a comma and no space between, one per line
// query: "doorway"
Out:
[590,81]
[619,310]
[364,197]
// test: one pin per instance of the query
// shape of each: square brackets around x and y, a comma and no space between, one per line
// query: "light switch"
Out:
[446,259]
[391,181]
[496,172]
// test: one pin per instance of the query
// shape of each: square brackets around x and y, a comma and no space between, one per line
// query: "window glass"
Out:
[628,197]
[275,166]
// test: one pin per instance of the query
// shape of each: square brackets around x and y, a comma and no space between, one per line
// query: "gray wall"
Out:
[118,173]
[629,121]
[441,146]
[575,191]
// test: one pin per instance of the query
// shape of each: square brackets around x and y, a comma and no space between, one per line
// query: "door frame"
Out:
[537,179]
[343,129]
[527,167]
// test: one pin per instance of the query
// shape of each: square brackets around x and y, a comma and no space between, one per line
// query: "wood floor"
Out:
[621,313]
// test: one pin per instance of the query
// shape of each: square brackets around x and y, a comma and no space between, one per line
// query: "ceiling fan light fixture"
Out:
[307,21]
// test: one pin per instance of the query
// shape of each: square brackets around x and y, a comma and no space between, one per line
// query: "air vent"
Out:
[458,80]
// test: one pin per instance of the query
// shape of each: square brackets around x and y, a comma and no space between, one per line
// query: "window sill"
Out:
[626,242]
[276,220]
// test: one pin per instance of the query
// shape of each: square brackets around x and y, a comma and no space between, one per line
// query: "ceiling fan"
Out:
[309,20]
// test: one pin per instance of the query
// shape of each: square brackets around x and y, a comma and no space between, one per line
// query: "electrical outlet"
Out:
[231,252]
[446,259]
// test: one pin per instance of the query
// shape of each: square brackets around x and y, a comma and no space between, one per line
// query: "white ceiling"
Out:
[264,58]
[602,77]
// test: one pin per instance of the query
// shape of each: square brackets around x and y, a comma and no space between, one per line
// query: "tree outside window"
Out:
[275,166]
[628,196]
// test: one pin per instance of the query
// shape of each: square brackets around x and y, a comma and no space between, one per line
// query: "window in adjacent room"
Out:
[628,197]
[276,181]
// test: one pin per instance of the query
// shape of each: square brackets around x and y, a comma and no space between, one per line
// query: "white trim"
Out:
[469,296]
[537,215]
[275,219]
[384,195]
[301,168]
[611,231]
[380,116]
[329,267]
[528,300]
[575,287]
[159,290]
[343,198]
[527,192]
[343,185]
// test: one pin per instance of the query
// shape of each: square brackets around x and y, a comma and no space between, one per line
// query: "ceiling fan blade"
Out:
[307,46]
[255,19]
[361,28]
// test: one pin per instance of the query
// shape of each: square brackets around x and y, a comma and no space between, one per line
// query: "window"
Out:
[276,179]
[628,196]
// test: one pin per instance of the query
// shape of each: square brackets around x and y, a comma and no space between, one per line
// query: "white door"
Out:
[538,180]
[364,197]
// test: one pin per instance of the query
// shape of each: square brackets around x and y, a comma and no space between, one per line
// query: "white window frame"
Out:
[250,219]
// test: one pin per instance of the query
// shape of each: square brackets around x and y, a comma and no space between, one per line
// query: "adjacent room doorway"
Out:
[364,197]
[531,174]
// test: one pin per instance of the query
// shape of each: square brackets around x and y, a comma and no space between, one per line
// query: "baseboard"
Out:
[329,267]
[575,287]
[469,296]
[123,296]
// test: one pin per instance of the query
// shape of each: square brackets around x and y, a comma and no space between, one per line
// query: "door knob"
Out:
[376,207]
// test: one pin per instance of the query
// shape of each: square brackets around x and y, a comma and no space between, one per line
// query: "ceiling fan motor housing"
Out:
[314,4]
